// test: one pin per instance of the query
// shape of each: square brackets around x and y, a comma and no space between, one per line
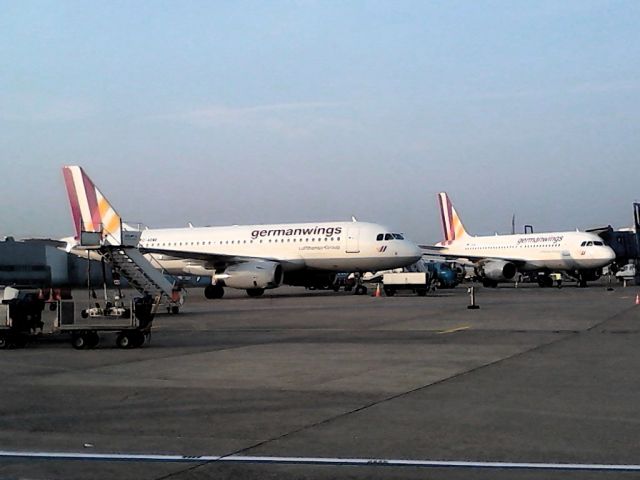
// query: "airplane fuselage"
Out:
[550,251]
[330,246]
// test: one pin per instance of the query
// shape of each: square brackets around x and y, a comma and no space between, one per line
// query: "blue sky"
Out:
[247,112]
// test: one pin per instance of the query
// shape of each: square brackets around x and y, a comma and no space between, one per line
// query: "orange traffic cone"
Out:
[378,292]
[638,299]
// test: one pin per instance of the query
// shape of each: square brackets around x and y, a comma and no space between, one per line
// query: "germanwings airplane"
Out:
[251,257]
[498,257]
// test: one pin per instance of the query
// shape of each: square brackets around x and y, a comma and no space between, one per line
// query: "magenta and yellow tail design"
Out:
[90,210]
[451,224]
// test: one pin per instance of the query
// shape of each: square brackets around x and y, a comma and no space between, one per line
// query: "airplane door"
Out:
[353,240]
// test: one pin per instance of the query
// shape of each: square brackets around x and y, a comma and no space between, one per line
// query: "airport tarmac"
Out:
[534,375]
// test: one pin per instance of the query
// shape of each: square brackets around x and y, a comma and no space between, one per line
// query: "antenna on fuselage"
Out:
[513,224]
[353,218]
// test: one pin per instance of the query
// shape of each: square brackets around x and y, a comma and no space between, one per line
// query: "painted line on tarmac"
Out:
[454,330]
[354,462]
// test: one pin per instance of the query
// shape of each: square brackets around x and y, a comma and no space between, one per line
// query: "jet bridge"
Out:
[625,243]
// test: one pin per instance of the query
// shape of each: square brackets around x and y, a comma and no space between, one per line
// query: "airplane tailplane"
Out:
[451,223]
[90,210]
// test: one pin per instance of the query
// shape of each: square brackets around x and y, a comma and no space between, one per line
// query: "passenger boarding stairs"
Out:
[127,260]
[139,272]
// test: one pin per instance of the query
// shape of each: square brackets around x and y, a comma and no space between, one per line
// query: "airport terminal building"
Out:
[39,263]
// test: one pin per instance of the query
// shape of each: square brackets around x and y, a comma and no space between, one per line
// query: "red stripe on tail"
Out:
[73,200]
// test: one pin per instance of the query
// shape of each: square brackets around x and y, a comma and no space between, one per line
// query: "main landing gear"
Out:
[359,289]
[213,291]
[255,292]
[545,280]
[582,281]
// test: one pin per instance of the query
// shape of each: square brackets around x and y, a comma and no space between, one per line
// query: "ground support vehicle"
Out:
[26,317]
[417,282]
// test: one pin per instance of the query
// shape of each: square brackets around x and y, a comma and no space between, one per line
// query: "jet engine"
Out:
[498,270]
[252,275]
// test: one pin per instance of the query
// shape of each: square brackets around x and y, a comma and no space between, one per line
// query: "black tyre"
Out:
[421,292]
[488,283]
[124,340]
[80,341]
[212,292]
[175,309]
[93,339]
[545,281]
[255,292]
[137,339]
[19,340]
[389,292]
[3,342]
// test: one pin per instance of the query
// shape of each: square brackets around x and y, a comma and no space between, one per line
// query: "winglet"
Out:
[451,224]
[90,210]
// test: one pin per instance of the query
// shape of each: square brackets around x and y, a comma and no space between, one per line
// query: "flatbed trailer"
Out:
[27,318]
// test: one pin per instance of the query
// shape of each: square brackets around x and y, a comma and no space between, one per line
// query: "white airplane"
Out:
[499,257]
[251,257]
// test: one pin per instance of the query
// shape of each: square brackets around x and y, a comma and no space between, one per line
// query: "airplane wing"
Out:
[439,251]
[210,260]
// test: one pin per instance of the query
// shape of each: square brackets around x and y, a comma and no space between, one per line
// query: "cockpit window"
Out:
[397,236]
[600,244]
[380,236]
[589,244]
[583,244]
[388,236]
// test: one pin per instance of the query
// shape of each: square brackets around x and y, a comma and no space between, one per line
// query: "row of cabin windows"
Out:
[238,242]
[389,236]
[471,247]
[590,244]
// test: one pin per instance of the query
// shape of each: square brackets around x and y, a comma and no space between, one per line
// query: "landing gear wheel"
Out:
[389,292]
[212,292]
[422,292]
[3,342]
[545,281]
[175,309]
[360,290]
[255,292]
[487,282]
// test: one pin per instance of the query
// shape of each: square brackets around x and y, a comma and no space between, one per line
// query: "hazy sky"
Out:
[256,112]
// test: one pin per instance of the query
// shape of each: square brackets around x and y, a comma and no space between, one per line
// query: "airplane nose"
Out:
[611,255]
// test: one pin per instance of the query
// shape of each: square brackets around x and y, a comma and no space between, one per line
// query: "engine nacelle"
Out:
[251,275]
[498,270]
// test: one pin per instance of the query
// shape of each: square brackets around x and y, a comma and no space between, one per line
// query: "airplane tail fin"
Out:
[451,223]
[90,209]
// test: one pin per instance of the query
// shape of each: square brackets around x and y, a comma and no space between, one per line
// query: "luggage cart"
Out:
[25,317]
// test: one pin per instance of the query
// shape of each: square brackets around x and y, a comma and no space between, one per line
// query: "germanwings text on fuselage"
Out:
[327,231]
